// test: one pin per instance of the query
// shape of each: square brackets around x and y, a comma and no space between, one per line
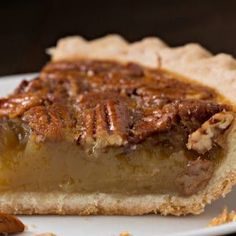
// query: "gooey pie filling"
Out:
[101,126]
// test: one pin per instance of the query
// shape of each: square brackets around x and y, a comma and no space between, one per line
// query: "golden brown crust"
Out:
[192,61]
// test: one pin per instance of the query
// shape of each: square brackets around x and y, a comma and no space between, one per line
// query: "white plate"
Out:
[150,225]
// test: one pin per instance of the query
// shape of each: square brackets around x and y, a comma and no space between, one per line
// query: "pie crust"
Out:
[192,61]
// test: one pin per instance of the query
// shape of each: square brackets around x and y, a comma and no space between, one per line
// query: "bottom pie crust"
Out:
[30,203]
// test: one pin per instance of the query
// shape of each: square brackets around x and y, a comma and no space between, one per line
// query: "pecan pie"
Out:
[115,128]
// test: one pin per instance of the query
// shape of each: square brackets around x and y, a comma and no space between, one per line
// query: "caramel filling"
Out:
[101,126]
[26,165]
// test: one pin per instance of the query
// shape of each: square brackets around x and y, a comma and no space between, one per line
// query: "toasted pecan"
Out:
[10,224]
[105,103]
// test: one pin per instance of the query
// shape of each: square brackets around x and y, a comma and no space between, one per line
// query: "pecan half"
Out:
[10,224]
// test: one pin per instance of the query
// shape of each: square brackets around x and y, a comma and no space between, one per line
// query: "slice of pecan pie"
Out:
[115,128]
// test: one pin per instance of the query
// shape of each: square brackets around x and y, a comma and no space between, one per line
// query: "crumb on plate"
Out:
[125,233]
[223,218]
